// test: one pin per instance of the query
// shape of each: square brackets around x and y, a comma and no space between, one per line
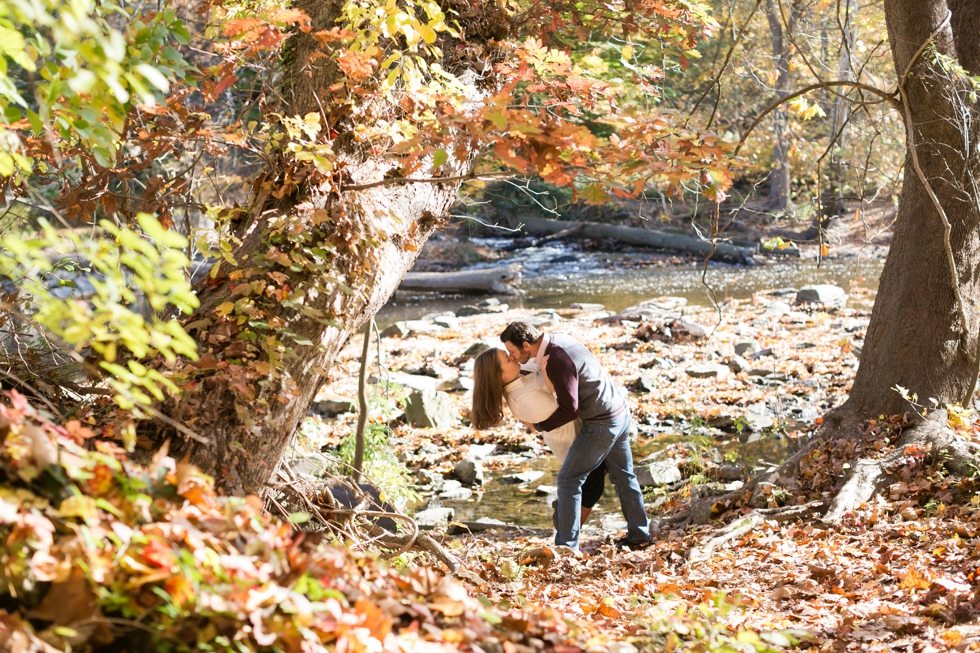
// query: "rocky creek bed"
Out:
[716,396]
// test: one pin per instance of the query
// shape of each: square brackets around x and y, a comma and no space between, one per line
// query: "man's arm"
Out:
[564,377]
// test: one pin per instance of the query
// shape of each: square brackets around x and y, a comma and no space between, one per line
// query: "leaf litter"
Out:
[102,553]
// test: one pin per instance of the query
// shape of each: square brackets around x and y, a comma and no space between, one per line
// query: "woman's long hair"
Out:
[488,391]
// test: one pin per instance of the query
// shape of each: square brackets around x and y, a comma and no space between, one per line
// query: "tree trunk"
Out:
[312,266]
[782,50]
[917,337]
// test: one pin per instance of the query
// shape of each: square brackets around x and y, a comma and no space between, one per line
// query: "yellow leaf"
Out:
[79,506]
[225,309]
[914,579]
[627,52]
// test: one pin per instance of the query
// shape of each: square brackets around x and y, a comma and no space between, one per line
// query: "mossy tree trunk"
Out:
[312,264]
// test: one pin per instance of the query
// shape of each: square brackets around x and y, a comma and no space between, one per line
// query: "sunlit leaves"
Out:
[133,278]
[85,75]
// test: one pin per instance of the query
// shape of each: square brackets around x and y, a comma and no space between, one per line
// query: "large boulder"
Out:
[430,409]
[656,472]
[822,294]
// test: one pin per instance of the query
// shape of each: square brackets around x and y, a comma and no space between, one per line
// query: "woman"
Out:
[497,376]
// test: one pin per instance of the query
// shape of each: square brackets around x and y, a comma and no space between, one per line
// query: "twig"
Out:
[177,425]
[363,409]
[37,393]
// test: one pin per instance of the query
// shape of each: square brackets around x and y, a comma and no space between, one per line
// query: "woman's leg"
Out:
[592,490]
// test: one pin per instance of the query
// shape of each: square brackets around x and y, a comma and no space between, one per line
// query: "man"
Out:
[584,390]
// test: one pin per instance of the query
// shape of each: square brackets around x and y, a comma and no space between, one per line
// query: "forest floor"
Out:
[898,574]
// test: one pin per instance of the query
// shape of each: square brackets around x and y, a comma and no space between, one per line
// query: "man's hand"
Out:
[530,425]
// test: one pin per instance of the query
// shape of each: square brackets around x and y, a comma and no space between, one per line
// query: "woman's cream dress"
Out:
[530,400]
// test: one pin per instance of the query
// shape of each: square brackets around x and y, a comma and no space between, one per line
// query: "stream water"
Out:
[557,276]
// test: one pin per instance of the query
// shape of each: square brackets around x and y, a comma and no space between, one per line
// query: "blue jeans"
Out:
[607,441]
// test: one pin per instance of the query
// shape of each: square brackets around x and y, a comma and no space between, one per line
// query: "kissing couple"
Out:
[583,416]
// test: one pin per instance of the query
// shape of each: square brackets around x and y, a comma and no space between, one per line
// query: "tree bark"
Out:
[781,176]
[916,338]
[325,261]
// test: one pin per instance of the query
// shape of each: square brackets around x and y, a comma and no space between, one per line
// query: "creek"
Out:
[557,276]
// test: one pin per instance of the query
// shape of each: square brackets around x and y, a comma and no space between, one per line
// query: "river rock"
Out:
[468,310]
[447,321]
[665,303]
[621,647]
[778,308]
[434,480]
[421,326]
[332,406]
[782,292]
[479,347]
[396,330]
[469,472]
[738,364]
[545,490]
[456,494]
[480,451]
[646,383]
[749,346]
[693,329]
[755,422]
[523,477]
[434,517]
[581,306]
[657,472]
[459,384]
[411,381]
[489,302]
[708,370]
[430,408]
[822,294]
[760,371]
[730,473]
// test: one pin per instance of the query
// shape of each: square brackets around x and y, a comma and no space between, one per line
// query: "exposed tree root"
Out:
[864,477]
[353,512]
[743,525]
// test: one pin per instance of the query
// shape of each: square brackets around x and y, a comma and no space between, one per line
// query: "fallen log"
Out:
[524,243]
[497,280]
[639,237]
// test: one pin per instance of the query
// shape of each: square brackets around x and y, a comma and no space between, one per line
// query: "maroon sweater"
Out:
[583,388]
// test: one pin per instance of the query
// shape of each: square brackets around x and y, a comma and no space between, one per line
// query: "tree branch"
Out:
[888,97]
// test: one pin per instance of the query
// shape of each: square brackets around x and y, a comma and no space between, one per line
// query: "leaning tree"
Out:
[308,151]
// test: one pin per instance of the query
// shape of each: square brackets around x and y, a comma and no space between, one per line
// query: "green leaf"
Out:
[439,157]
[299,518]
